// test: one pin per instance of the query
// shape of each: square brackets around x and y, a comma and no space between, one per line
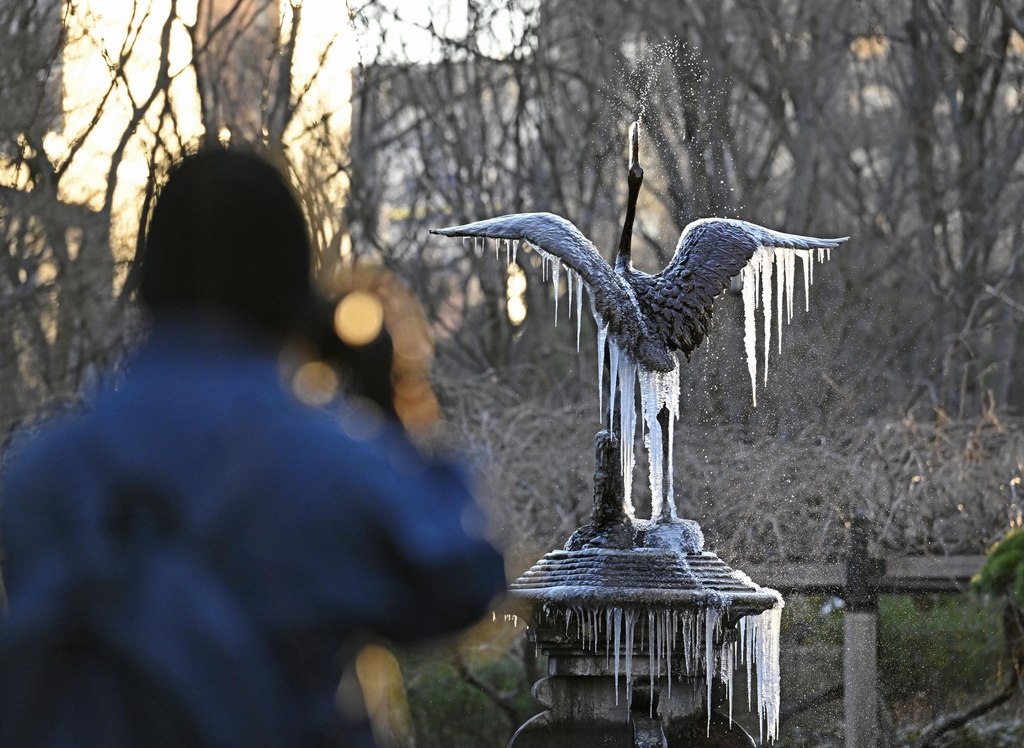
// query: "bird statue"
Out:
[649,319]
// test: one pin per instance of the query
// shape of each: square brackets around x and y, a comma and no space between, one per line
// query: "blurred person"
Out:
[189,554]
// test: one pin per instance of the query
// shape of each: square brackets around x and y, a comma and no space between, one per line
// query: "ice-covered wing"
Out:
[709,254]
[712,250]
[546,231]
[560,239]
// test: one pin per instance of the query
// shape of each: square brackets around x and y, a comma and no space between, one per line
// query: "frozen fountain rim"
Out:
[583,577]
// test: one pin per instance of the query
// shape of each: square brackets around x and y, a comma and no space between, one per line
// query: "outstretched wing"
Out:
[710,252]
[559,238]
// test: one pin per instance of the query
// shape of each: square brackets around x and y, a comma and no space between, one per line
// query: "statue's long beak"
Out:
[623,259]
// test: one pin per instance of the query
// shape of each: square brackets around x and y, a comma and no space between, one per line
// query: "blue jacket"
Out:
[207,531]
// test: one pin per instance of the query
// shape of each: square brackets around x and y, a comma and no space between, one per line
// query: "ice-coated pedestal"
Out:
[638,621]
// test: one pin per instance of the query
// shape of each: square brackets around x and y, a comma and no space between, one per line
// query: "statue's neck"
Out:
[624,256]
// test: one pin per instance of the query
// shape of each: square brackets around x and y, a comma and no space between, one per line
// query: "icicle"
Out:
[508,252]
[652,439]
[686,644]
[762,642]
[607,635]
[711,617]
[749,275]
[767,261]
[568,290]
[805,263]
[476,246]
[614,355]
[556,268]
[618,644]
[728,667]
[630,642]
[780,290]
[757,261]
[745,634]
[790,281]
[670,644]
[579,309]
[602,336]
[828,253]
[515,249]
[659,389]
[627,427]
[496,249]
[653,654]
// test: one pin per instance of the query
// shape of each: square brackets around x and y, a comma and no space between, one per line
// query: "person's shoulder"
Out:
[40,453]
[44,433]
[354,433]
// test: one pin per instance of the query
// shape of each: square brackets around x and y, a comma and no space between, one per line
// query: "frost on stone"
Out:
[711,648]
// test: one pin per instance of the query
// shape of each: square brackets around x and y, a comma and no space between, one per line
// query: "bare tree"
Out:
[65,303]
[804,116]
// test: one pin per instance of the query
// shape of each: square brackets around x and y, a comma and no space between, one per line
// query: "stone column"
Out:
[860,676]
[860,639]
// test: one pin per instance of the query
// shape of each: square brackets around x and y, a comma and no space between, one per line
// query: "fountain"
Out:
[637,619]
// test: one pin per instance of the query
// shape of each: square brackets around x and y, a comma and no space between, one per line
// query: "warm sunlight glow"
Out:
[869,47]
[95,34]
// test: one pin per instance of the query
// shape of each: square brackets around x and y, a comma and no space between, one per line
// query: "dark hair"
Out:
[227,234]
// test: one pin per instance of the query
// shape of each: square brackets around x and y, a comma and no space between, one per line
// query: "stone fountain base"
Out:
[635,618]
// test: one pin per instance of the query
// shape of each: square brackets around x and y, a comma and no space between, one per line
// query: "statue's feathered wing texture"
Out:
[612,298]
[678,300]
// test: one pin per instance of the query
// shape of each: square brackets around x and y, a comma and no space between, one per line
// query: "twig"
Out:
[952,721]
[500,701]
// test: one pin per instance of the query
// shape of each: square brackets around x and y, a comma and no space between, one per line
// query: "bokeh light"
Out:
[358,318]
[315,383]
[380,679]
[516,289]
[412,338]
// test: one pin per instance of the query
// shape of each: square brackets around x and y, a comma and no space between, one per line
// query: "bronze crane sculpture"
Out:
[649,319]
[648,316]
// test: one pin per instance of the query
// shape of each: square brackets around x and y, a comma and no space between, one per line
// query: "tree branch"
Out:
[952,721]
[501,701]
